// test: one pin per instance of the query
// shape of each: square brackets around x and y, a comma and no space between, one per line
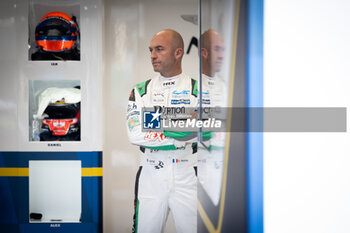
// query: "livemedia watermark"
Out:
[218,119]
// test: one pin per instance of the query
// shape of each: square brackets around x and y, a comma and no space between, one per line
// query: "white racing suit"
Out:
[166,179]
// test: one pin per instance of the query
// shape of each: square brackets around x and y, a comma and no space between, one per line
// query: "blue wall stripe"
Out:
[21,159]
[255,99]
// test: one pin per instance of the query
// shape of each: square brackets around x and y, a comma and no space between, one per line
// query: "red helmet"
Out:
[56,32]
[62,119]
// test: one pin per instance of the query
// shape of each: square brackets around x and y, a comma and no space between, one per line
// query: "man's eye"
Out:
[219,49]
[159,49]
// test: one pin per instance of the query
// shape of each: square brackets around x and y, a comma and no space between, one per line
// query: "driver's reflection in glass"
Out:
[214,94]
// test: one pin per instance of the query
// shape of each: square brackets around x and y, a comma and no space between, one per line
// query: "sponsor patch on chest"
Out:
[181,94]
[180,97]
[158,98]
[169,83]
[180,101]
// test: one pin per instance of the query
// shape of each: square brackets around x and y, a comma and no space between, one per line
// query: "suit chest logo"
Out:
[180,97]
[158,98]
[169,83]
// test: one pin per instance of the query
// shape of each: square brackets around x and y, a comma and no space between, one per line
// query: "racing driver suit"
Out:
[166,179]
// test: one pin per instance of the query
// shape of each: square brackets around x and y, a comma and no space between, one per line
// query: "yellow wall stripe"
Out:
[92,171]
[14,171]
[24,171]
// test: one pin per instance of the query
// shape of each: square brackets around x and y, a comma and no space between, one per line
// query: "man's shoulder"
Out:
[142,87]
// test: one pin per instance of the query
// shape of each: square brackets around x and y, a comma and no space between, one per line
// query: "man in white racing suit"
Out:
[166,179]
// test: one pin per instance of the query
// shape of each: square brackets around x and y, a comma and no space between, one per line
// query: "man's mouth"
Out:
[218,63]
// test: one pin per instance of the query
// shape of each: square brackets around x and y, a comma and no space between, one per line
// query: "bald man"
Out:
[167,49]
[166,179]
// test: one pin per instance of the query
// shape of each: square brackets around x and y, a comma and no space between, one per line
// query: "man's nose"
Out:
[221,55]
[153,55]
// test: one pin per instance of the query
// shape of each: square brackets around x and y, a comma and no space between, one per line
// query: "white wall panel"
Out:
[306,64]
[9,77]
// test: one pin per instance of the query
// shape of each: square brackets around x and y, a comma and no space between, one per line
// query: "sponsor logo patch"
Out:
[154,136]
[180,101]
[181,94]
[133,121]
[180,160]
[206,101]
[169,83]
[131,107]
[158,98]
[184,92]
[134,113]
[160,165]
[156,163]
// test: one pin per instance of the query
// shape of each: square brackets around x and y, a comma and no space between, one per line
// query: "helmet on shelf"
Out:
[62,119]
[56,32]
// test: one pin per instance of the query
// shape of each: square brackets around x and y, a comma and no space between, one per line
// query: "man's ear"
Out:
[204,53]
[178,53]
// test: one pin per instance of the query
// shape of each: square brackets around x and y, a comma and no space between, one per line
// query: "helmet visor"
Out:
[61,111]
[55,27]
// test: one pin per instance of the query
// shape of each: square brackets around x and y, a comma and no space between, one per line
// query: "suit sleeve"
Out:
[149,138]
